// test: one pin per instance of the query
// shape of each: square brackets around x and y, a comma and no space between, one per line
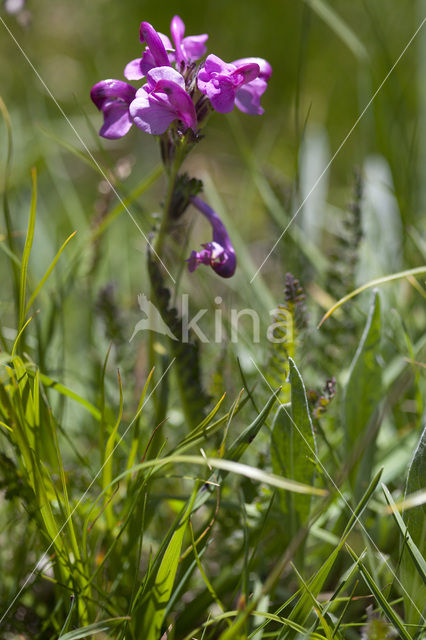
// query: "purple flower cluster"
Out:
[175,89]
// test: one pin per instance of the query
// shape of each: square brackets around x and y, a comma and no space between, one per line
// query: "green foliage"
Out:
[362,397]
[414,541]
[293,452]
[161,589]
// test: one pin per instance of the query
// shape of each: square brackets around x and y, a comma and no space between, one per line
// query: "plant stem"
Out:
[172,176]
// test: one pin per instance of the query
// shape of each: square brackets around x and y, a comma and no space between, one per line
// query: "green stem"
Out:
[154,358]
[172,176]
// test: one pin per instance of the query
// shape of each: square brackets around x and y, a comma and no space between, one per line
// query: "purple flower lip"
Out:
[218,254]
[161,101]
[113,98]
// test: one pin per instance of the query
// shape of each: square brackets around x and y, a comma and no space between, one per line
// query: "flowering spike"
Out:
[219,253]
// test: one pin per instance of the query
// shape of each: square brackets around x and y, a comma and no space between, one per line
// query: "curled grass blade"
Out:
[92,629]
[231,467]
[419,271]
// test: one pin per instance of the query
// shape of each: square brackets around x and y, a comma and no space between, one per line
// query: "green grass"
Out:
[154,489]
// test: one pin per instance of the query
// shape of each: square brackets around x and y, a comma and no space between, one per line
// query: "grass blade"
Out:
[27,249]
[92,629]
[415,521]
[47,274]
[362,396]
[419,271]
[413,550]
[292,449]
[391,615]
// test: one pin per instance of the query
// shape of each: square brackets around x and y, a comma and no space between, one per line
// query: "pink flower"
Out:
[159,50]
[162,100]
[240,83]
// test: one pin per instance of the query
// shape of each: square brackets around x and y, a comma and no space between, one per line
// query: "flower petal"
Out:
[178,100]
[246,73]
[150,115]
[214,64]
[194,47]
[107,89]
[165,73]
[117,121]
[157,49]
[221,94]
[248,97]
[264,66]
[219,253]
[166,41]
[177,29]
[133,70]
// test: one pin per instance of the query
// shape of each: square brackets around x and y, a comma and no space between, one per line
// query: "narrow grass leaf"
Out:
[327,630]
[47,274]
[419,271]
[413,550]
[15,264]
[93,629]
[236,450]
[292,449]
[125,203]
[49,383]
[135,440]
[362,396]
[302,609]
[159,594]
[415,521]
[381,599]
[27,249]
[109,458]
